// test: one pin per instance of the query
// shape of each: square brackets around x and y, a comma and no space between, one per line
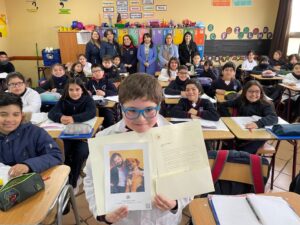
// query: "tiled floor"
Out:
[282,180]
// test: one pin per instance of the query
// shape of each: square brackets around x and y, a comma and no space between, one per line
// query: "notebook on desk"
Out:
[252,210]
[205,124]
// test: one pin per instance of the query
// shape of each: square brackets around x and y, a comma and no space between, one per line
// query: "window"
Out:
[294,37]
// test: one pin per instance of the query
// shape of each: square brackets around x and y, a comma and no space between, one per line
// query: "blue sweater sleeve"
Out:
[56,112]
[47,151]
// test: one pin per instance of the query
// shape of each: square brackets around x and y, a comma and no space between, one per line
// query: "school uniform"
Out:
[260,68]
[111,49]
[295,96]
[248,66]
[206,110]
[206,83]
[258,108]
[121,68]
[30,145]
[165,76]
[187,52]
[93,53]
[166,52]
[112,74]
[150,57]
[6,67]
[129,56]
[274,62]
[176,87]
[31,101]
[110,90]
[81,76]
[287,67]
[233,85]
[55,82]
[76,151]
[198,69]
[143,217]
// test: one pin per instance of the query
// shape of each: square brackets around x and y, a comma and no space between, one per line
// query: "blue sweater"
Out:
[30,145]
[81,110]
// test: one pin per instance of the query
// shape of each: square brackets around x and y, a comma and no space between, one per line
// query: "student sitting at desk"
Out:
[226,82]
[276,62]
[262,66]
[177,86]
[292,60]
[196,67]
[249,63]
[169,73]
[57,81]
[24,146]
[110,71]
[85,64]
[251,102]
[77,72]
[75,106]
[30,98]
[293,79]
[193,106]
[207,76]
[140,107]
[5,65]
[118,64]
[101,86]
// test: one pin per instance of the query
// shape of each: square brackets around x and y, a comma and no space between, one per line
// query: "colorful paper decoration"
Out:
[228,30]
[157,36]
[212,36]
[260,35]
[270,35]
[266,30]
[199,36]
[178,36]
[3,26]
[242,2]
[201,50]
[237,30]
[255,31]
[134,34]
[210,27]
[250,35]
[121,33]
[241,35]
[221,2]
[224,35]
[246,29]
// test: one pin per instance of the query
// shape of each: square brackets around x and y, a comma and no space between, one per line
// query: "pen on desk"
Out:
[253,210]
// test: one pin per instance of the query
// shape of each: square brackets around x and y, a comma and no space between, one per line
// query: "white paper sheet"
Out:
[205,124]
[97,97]
[243,120]
[113,98]
[4,173]
[3,75]
[83,37]
[37,118]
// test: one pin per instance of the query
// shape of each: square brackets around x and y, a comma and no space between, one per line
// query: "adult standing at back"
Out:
[147,55]
[111,47]
[129,54]
[167,51]
[187,49]
[94,48]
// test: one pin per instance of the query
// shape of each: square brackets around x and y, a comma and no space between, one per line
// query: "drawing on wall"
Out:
[3,26]
[33,6]
[242,2]
[62,9]
[210,27]
[220,2]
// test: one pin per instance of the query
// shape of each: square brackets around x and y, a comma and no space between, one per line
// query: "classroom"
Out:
[75,74]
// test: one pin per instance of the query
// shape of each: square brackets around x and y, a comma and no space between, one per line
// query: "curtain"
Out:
[282,28]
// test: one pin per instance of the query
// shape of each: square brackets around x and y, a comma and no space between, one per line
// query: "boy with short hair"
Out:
[102,86]
[5,65]
[140,96]
[24,146]
[198,68]
[110,71]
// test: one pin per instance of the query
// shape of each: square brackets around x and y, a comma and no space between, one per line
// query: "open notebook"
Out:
[205,124]
[243,120]
[252,210]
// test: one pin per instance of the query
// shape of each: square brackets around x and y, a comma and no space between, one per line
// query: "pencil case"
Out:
[19,189]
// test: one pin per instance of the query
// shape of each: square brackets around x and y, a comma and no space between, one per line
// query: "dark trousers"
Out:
[109,116]
[76,152]
[249,146]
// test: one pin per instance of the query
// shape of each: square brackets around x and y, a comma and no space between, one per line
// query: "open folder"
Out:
[174,156]
[252,209]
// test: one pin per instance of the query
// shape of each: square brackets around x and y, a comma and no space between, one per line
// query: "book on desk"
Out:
[252,209]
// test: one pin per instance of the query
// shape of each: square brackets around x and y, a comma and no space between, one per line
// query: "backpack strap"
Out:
[219,163]
[257,176]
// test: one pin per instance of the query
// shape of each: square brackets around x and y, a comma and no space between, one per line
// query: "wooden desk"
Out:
[255,134]
[202,215]
[289,88]
[110,104]
[217,135]
[172,101]
[259,77]
[164,83]
[55,133]
[35,209]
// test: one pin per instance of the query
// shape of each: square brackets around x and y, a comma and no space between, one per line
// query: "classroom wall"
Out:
[26,28]
[3,40]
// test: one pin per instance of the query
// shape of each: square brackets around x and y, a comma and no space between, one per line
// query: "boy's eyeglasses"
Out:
[133,113]
[19,84]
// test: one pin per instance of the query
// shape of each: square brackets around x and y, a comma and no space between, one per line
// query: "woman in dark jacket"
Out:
[129,54]
[94,49]
[111,47]
[187,49]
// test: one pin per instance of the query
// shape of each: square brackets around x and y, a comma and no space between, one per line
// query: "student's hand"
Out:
[195,117]
[220,91]
[69,65]
[251,126]
[193,111]
[18,170]
[54,90]
[183,94]
[146,64]
[66,120]
[117,215]
[129,65]
[276,68]
[100,93]
[163,203]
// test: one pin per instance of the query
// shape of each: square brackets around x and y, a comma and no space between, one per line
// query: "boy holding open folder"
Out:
[140,96]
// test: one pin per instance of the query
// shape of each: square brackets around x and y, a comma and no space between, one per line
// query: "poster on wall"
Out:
[220,2]
[62,9]
[148,15]
[33,6]
[135,15]
[3,26]
[161,8]
[148,2]
[242,2]
[148,8]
